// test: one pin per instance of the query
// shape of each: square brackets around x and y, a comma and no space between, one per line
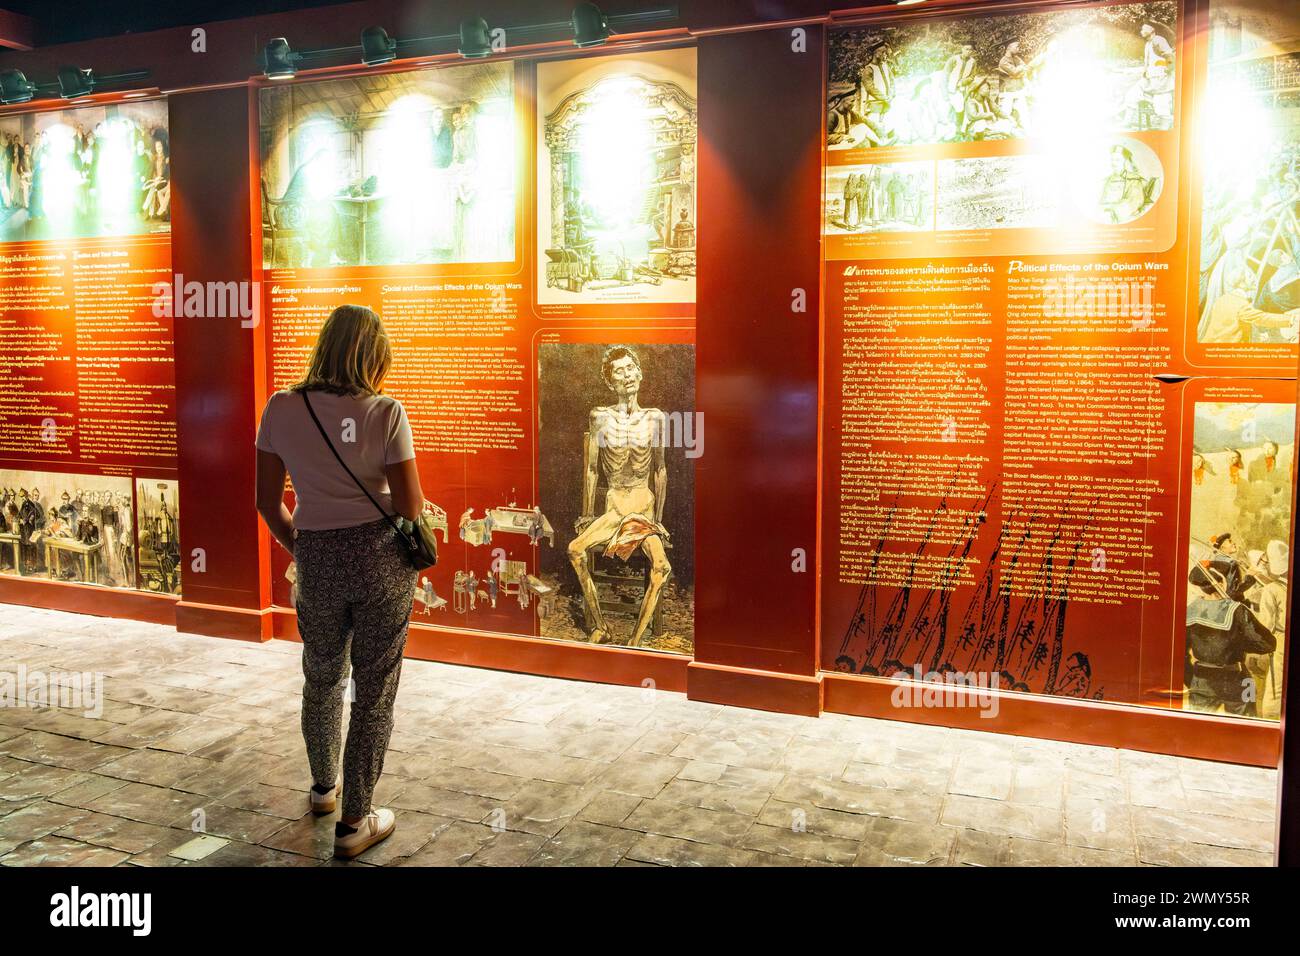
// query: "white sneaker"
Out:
[377,826]
[323,804]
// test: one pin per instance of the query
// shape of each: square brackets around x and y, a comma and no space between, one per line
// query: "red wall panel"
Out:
[759,240]
[215,357]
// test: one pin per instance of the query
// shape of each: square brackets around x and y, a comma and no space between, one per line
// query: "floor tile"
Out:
[197,759]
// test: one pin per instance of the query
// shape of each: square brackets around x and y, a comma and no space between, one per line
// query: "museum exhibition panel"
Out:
[862,361]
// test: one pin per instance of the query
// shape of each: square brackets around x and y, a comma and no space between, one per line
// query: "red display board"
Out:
[527,233]
[88,444]
[1061,351]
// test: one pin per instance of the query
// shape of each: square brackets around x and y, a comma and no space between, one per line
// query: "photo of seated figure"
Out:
[619,490]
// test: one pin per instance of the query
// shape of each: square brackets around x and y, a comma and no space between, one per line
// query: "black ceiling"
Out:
[66,21]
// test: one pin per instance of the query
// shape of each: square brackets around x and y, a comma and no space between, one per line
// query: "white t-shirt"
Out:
[369,432]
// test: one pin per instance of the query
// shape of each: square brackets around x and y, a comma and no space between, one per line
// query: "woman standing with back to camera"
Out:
[355,582]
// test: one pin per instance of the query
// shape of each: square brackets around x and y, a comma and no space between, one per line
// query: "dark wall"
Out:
[216,358]
[759,238]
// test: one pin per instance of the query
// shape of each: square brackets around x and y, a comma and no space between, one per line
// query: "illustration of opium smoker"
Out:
[625,447]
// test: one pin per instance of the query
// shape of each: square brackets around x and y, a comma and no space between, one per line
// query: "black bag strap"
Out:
[324,434]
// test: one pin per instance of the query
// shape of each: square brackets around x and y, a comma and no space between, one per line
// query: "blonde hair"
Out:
[351,356]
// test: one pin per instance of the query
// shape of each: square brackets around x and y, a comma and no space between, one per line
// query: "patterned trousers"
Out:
[355,589]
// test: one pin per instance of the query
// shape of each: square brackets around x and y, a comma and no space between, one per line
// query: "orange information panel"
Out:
[1060,351]
[526,232]
[88,489]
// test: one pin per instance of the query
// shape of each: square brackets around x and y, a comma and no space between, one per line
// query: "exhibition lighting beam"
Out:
[116,168]
[60,172]
[615,142]
[15,88]
[281,62]
[377,46]
[475,38]
[1229,116]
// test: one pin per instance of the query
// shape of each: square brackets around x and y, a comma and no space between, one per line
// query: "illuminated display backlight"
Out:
[118,164]
[615,166]
[617,169]
[85,171]
[60,174]
[412,168]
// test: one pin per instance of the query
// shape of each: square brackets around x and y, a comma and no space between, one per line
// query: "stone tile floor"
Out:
[496,769]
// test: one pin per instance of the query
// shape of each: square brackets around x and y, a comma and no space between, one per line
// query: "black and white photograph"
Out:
[67,527]
[620,491]
[883,197]
[998,192]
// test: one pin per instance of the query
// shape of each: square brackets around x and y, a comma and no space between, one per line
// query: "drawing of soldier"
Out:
[166,548]
[1220,633]
[1270,598]
[126,541]
[68,512]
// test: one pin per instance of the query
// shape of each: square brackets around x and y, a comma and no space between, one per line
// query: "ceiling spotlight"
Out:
[907,3]
[590,27]
[14,87]
[377,46]
[75,82]
[475,38]
[281,61]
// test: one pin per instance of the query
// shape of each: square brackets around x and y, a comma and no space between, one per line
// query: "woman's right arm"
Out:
[403,477]
[404,484]
[270,498]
